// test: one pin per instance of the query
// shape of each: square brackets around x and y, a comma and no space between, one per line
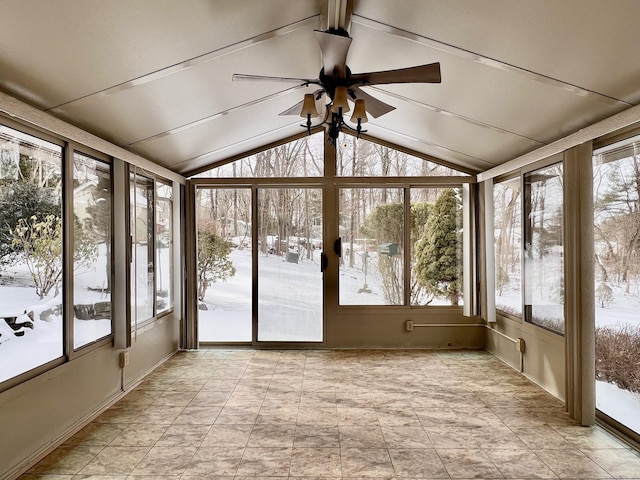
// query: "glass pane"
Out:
[301,158]
[361,158]
[617,283]
[31,325]
[223,217]
[436,246]
[142,224]
[543,261]
[372,262]
[92,249]
[164,246]
[289,278]
[507,221]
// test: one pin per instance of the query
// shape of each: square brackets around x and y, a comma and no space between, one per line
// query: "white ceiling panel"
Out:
[223,132]
[452,133]
[148,107]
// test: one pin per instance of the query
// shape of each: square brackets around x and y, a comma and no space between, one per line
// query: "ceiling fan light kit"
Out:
[338,83]
[340,103]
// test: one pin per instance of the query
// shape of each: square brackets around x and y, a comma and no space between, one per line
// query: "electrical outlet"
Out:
[124,359]
[520,345]
[409,325]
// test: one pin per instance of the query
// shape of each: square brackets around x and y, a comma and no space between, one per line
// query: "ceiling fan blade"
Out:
[422,74]
[374,107]
[297,108]
[334,50]
[264,78]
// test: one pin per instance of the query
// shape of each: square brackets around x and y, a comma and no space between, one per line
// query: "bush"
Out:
[213,261]
[618,356]
[604,294]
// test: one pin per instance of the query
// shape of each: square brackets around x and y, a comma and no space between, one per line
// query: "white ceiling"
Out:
[154,76]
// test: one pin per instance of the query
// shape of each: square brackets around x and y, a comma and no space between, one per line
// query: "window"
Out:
[543,248]
[91,249]
[507,207]
[164,246]
[616,177]
[300,158]
[372,231]
[150,227]
[372,227]
[436,246]
[142,252]
[31,263]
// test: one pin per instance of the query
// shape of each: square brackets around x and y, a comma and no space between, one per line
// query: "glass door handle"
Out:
[337,246]
[324,262]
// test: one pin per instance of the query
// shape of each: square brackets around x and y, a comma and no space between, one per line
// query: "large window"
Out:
[372,227]
[31,260]
[617,282]
[436,246]
[91,249]
[543,248]
[507,205]
[372,231]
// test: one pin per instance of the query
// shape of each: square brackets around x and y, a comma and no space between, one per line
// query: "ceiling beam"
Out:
[336,14]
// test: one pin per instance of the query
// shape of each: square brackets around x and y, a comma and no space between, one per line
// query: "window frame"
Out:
[69,282]
[135,326]
[557,158]
[51,364]
[519,176]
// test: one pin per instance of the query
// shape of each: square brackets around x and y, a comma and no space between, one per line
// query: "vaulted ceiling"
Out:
[154,76]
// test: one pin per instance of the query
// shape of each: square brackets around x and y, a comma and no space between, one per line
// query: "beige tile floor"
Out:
[232,414]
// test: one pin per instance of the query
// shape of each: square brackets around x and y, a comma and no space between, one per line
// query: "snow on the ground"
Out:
[37,346]
[619,404]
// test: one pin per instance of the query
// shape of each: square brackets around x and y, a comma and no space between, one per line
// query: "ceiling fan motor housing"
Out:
[329,82]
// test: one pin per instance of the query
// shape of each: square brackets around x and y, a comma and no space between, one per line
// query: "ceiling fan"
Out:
[338,83]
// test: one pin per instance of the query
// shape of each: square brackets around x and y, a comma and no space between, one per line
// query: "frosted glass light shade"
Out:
[359,112]
[309,106]
[340,100]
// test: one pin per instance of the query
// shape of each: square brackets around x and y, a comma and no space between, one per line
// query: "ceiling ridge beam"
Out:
[336,14]
[482,59]
[199,60]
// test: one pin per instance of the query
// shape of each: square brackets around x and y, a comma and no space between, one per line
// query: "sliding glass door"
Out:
[290,280]
[224,264]
[283,249]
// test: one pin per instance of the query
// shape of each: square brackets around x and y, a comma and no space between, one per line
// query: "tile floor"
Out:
[231,414]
